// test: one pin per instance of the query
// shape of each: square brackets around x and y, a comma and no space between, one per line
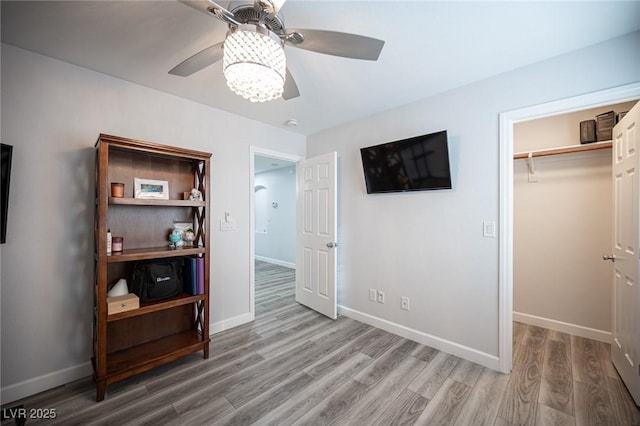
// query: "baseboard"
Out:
[45,382]
[217,327]
[482,358]
[276,262]
[48,381]
[564,327]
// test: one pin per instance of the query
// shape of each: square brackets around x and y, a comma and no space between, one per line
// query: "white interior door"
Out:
[625,349]
[317,232]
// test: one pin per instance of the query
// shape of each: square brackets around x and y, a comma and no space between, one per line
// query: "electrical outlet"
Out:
[404,303]
[380,296]
[373,295]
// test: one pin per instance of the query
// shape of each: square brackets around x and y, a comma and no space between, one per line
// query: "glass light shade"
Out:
[254,65]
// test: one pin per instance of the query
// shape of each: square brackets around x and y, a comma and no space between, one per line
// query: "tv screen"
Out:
[415,164]
[7,152]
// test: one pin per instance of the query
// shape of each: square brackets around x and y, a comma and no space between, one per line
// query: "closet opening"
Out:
[508,121]
[562,224]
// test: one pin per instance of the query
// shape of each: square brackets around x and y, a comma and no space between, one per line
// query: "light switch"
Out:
[489,229]
[227,226]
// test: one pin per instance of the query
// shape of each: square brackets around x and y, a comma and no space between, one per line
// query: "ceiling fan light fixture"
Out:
[254,63]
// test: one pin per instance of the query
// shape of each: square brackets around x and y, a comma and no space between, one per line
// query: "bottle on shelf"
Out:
[109,241]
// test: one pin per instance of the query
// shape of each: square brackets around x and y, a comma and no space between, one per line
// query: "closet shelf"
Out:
[564,150]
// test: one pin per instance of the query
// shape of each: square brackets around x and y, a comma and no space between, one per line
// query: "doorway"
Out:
[273,228]
[507,121]
[563,224]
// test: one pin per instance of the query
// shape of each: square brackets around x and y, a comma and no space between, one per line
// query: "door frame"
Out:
[505,244]
[263,152]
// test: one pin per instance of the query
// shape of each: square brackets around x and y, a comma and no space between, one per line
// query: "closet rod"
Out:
[564,150]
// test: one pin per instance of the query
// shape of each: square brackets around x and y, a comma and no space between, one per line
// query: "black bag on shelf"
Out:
[157,279]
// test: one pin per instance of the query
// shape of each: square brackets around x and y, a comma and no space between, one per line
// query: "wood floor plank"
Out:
[424,353]
[404,410]
[434,375]
[556,388]
[293,336]
[335,405]
[587,364]
[482,404]
[547,416]
[559,336]
[163,416]
[518,334]
[332,360]
[604,353]
[385,391]
[260,406]
[201,414]
[446,405]
[535,337]
[91,411]
[625,411]
[145,403]
[317,391]
[593,406]
[386,363]
[466,372]
[203,375]
[521,395]
[293,365]
[253,381]
[381,345]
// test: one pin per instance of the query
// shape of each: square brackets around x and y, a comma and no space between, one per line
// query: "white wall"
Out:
[429,246]
[52,113]
[278,243]
[562,226]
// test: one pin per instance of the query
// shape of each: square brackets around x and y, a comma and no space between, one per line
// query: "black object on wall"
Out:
[7,154]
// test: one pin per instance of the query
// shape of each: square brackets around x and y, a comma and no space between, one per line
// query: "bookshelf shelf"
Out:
[128,255]
[146,308]
[157,203]
[126,363]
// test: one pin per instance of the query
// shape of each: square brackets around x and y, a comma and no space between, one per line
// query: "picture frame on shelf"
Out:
[151,189]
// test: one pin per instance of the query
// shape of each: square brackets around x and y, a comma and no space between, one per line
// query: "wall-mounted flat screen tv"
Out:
[415,164]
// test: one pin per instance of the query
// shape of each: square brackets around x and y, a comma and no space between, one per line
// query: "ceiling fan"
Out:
[253,57]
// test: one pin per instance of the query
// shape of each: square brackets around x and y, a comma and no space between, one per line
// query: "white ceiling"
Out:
[430,47]
[267,164]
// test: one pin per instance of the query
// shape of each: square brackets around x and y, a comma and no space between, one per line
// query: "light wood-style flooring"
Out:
[294,366]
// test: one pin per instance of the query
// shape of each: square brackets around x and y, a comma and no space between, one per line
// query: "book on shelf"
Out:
[190,275]
[200,272]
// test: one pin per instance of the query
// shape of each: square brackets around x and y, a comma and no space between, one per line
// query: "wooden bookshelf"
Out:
[131,342]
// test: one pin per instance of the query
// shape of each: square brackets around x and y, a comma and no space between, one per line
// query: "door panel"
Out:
[625,349]
[317,232]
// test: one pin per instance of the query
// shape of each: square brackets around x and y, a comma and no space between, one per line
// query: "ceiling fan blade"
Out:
[335,43]
[290,87]
[199,61]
